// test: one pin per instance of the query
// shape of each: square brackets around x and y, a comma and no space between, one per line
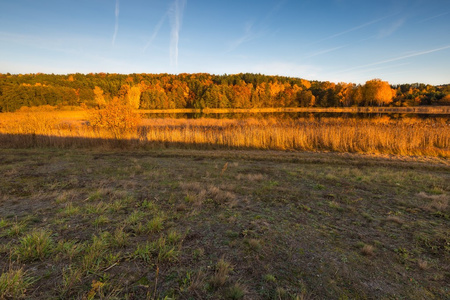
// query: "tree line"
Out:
[166,91]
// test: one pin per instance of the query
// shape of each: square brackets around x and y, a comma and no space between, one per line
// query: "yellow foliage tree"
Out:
[275,88]
[377,92]
[305,83]
[99,97]
[133,97]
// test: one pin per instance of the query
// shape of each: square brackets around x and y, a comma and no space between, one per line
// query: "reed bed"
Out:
[402,137]
[407,136]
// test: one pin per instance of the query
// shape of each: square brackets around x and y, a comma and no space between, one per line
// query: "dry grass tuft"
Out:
[395,219]
[250,177]
[236,291]
[223,269]
[197,282]
[255,245]
[368,250]
[181,207]
[423,264]
[439,204]
[220,196]
[435,202]
[198,194]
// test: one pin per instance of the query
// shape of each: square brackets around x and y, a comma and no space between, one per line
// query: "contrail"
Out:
[350,30]
[155,32]
[176,17]
[434,17]
[116,28]
[248,36]
[325,51]
[398,58]
[356,28]
[393,28]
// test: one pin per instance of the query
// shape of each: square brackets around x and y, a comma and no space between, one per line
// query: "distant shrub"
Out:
[116,117]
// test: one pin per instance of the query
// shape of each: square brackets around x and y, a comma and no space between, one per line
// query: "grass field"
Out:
[201,224]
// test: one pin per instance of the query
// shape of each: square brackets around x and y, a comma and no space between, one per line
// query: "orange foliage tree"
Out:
[377,92]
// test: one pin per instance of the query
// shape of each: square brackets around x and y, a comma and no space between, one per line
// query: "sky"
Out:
[400,41]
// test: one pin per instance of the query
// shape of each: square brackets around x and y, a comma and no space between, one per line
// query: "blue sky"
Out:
[401,41]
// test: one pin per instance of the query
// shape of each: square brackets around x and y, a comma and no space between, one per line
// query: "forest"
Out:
[166,91]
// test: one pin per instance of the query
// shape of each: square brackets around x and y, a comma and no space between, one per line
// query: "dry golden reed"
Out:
[406,136]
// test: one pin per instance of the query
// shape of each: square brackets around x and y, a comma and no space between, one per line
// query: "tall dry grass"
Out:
[403,137]
[407,136]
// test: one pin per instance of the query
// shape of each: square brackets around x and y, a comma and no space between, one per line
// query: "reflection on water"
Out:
[300,115]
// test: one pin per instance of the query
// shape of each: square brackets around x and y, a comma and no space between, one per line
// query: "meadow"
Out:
[202,224]
[250,208]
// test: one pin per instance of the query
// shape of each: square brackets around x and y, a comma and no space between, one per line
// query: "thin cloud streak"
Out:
[384,68]
[284,68]
[246,37]
[434,17]
[350,30]
[391,29]
[116,27]
[275,9]
[250,34]
[325,51]
[397,58]
[155,32]
[366,71]
[176,18]
[361,76]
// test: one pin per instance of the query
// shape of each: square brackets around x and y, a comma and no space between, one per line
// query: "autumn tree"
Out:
[241,94]
[213,97]
[178,93]
[133,97]
[358,95]
[155,97]
[345,93]
[306,84]
[99,97]
[117,117]
[123,91]
[377,92]
[306,99]
[262,90]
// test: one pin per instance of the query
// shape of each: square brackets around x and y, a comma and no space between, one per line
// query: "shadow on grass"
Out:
[42,141]
[203,150]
